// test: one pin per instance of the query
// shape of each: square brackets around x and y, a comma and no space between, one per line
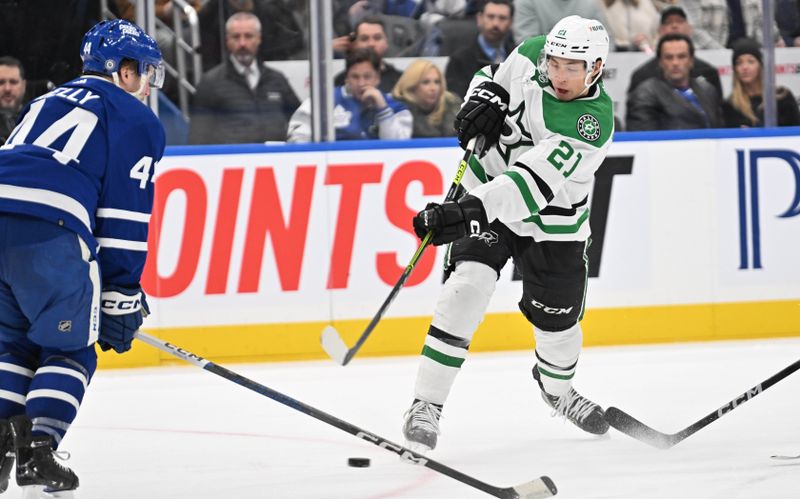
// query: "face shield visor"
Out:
[154,74]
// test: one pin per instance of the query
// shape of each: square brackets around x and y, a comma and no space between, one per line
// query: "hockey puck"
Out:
[358,462]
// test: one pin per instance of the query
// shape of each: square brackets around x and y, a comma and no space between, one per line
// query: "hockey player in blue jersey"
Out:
[76,193]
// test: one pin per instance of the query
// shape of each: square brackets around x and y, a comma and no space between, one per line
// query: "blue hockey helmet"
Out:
[109,42]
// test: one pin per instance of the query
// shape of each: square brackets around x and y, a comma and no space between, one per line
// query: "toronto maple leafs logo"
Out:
[588,127]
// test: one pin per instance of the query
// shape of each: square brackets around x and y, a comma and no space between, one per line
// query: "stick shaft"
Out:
[475,146]
[406,454]
[629,425]
[741,399]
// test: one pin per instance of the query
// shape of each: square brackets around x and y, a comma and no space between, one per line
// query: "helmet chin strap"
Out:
[139,93]
[587,82]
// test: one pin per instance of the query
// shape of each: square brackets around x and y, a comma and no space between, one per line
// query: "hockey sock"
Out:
[57,390]
[459,310]
[442,357]
[15,378]
[557,357]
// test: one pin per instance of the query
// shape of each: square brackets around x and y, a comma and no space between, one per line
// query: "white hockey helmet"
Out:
[578,38]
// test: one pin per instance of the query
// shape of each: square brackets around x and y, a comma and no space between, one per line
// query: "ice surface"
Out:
[181,432]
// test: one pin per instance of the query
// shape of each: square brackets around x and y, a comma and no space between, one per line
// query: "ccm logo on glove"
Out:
[486,95]
[116,303]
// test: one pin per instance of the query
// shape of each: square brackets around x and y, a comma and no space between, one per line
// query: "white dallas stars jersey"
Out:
[537,179]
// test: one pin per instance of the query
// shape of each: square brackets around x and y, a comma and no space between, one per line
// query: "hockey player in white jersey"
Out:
[547,124]
[76,193]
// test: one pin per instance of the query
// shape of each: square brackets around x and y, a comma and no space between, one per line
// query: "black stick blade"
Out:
[634,428]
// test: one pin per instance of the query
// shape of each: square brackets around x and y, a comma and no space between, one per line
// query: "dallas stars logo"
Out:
[514,133]
[588,127]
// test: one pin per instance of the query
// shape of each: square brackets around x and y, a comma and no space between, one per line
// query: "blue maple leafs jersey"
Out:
[83,156]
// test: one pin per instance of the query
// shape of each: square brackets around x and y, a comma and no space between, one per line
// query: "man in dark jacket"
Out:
[492,46]
[674,100]
[673,20]
[12,93]
[242,100]
[369,33]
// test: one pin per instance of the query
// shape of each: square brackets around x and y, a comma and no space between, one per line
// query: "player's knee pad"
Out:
[549,310]
[57,390]
[464,298]
[15,378]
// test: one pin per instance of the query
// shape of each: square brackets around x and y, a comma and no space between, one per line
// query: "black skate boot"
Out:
[581,411]
[421,427]
[6,453]
[36,465]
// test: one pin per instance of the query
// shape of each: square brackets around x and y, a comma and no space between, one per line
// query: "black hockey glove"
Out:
[123,311]
[483,114]
[451,220]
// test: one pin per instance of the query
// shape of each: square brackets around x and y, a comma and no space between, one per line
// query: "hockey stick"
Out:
[332,342]
[539,488]
[629,425]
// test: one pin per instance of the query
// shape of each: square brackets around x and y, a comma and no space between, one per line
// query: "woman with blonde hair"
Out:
[745,106]
[423,89]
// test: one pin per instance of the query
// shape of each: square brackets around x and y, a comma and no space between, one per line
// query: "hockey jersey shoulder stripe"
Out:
[126,244]
[47,198]
[133,216]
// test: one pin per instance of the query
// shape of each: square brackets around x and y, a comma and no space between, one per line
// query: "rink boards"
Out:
[254,249]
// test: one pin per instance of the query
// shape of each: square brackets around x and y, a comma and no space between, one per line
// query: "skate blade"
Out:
[40,492]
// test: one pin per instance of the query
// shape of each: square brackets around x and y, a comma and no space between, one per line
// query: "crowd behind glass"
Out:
[242,97]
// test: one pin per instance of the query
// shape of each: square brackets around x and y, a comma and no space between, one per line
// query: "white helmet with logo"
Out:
[578,38]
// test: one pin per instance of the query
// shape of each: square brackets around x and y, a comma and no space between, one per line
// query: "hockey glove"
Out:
[452,220]
[123,310]
[483,114]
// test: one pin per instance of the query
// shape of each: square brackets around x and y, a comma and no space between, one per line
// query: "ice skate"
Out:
[6,453]
[421,427]
[573,406]
[37,469]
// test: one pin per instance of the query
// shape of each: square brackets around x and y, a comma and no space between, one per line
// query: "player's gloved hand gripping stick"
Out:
[332,343]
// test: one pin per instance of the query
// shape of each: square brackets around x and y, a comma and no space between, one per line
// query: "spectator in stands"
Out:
[492,45]
[674,100]
[423,89]
[719,23]
[674,20]
[372,8]
[242,100]
[45,36]
[746,19]
[709,20]
[282,37]
[537,17]
[634,24]
[165,38]
[12,93]
[370,34]
[745,106]
[361,110]
[787,15]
